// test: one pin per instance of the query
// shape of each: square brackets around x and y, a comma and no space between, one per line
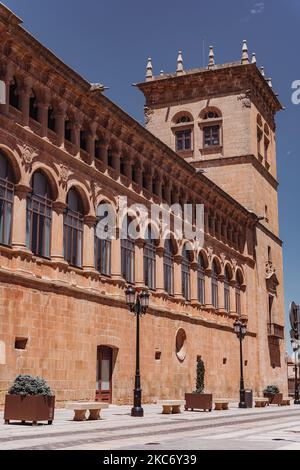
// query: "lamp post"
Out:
[240,329]
[296,346]
[137,305]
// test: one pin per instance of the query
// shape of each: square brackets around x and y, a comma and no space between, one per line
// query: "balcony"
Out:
[275,331]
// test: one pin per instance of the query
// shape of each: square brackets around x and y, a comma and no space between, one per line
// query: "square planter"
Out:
[198,401]
[32,408]
[274,399]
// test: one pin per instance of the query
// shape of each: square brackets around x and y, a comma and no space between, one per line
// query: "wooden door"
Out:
[104,374]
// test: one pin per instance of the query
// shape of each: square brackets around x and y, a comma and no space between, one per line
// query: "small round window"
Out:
[181,344]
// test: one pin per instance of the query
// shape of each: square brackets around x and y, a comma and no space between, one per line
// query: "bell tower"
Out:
[221,119]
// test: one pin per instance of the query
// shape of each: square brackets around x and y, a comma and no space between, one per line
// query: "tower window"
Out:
[211,136]
[183,140]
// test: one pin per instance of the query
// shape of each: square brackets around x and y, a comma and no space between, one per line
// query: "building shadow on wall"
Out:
[274,352]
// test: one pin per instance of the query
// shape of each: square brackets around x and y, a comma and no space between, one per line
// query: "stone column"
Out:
[194,283]
[57,234]
[116,257]
[91,139]
[128,168]
[43,118]
[25,96]
[221,295]
[160,284]
[139,263]
[178,277]
[89,243]
[76,127]
[158,187]
[19,218]
[116,159]
[103,152]
[233,309]
[208,289]
[60,117]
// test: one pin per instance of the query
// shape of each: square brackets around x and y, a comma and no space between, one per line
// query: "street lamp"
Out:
[240,329]
[137,305]
[296,346]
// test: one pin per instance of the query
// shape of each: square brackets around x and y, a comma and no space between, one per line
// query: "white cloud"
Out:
[258,8]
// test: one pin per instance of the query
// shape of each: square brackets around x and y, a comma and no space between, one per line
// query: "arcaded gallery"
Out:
[65,150]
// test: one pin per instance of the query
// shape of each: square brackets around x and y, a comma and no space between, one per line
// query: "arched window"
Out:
[201,279]
[185,273]
[6,200]
[227,279]
[149,259]
[14,98]
[73,229]
[211,125]
[214,284]
[103,237]
[127,252]
[169,267]
[33,109]
[39,216]
[238,287]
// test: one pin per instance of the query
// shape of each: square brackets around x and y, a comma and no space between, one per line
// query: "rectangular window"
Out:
[183,140]
[211,136]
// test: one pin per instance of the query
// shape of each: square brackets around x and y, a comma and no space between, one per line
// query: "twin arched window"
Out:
[201,279]
[238,287]
[39,216]
[227,278]
[73,229]
[150,259]
[103,238]
[214,284]
[169,267]
[127,252]
[6,199]
[185,273]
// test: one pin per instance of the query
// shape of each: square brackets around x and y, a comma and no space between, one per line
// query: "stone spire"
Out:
[149,72]
[262,71]
[245,55]
[179,70]
[269,82]
[211,61]
[253,58]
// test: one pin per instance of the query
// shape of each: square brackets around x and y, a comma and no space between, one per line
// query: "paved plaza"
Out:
[270,428]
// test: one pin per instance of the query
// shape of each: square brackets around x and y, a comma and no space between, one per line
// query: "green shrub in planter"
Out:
[28,385]
[272,389]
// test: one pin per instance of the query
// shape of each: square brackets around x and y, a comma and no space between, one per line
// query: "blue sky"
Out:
[108,41]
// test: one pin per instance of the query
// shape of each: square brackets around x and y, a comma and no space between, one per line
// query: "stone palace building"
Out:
[66,149]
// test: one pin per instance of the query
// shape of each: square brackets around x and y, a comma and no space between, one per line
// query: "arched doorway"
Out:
[105,364]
